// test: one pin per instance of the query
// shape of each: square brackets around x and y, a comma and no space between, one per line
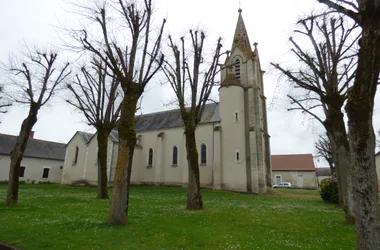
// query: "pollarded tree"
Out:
[359,108]
[35,80]
[121,36]
[323,78]
[189,79]
[97,97]
[323,147]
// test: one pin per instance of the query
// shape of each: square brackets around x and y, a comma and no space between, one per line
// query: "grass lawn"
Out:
[52,216]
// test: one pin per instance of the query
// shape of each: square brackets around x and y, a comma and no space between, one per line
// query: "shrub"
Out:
[329,190]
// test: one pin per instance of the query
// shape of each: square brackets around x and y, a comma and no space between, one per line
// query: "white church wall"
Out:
[90,172]
[74,171]
[162,171]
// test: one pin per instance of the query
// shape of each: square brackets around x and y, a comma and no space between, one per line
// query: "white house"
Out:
[297,169]
[42,161]
[233,142]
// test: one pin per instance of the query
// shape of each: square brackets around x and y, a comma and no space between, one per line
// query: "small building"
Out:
[42,160]
[322,173]
[297,169]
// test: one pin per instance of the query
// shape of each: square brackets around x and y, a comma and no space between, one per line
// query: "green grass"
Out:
[62,217]
[297,191]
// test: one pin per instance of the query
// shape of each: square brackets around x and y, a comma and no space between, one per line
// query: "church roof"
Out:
[86,136]
[173,119]
[161,120]
[241,39]
[34,148]
[230,79]
[295,162]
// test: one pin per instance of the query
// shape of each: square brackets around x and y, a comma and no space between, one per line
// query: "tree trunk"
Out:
[131,149]
[338,177]
[337,134]
[18,152]
[194,197]
[361,135]
[102,137]
[127,138]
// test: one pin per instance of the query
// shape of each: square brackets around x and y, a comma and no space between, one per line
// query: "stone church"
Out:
[233,140]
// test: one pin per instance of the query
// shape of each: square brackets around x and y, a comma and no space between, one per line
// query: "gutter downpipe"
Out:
[213,155]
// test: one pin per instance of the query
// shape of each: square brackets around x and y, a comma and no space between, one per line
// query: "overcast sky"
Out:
[269,22]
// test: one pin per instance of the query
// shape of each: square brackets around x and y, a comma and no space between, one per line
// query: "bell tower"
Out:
[243,117]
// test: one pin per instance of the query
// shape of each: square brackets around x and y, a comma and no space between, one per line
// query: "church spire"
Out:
[241,39]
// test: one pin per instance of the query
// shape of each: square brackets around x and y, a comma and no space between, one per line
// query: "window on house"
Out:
[76,155]
[237,69]
[203,154]
[236,116]
[22,171]
[45,173]
[175,155]
[150,157]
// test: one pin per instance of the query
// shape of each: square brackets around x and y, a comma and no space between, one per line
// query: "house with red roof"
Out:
[297,169]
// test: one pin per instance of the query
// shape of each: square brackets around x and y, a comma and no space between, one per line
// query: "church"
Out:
[232,138]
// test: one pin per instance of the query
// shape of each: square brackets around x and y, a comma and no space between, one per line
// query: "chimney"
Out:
[31,134]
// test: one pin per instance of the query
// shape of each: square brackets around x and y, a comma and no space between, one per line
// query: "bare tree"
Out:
[125,43]
[188,80]
[96,96]
[4,104]
[359,108]
[325,74]
[35,81]
[324,150]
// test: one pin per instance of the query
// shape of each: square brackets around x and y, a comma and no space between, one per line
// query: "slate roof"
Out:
[173,119]
[161,120]
[34,148]
[86,136]
[296,162]
[114,136]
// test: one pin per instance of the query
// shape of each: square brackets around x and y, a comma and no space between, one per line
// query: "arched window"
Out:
[237,69]
[150,157]
[203,154]
[175,156]
[76,155]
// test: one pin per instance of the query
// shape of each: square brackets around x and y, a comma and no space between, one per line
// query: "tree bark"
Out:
[131,149]
[102,137]
[194,197]
[127,139]
[337,134]
[361,135]
[18,152]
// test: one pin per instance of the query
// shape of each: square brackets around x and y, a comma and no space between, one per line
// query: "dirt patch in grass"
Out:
[293,195]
